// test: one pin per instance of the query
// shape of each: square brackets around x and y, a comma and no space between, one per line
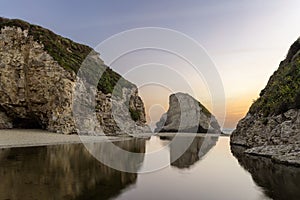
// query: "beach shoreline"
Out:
[13,138]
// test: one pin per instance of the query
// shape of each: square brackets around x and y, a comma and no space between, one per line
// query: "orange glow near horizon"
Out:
[158,103]
[236,109]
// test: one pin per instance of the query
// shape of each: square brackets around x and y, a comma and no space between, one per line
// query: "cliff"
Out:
[274,118]
[38,78]
[186,114]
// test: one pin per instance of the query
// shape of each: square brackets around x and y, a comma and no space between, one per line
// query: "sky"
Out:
[246,40]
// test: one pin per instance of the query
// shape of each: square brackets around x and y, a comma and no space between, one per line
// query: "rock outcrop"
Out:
[186,114]
[274,118]
[256,130]
[38,78]
[284,154]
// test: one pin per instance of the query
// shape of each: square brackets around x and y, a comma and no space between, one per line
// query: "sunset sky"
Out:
[245,39]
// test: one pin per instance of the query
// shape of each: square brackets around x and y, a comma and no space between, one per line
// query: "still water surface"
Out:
[205,171]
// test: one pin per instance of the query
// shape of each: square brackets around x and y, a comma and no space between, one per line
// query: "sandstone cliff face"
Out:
[38,78]
[255,130]
[272,125]
[186,114]
[274,118]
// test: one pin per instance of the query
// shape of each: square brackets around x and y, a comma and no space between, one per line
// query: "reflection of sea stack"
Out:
[186,151]
[186,114]
[274,118]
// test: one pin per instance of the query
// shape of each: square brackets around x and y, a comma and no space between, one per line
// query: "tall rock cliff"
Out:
[186,114]
[38,79]
[274,118]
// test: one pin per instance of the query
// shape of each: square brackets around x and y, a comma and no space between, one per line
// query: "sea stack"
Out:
[186,114]
[38,77]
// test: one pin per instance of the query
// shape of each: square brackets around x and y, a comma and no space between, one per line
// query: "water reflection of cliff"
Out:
[64,172]
[182,157]
[279,182]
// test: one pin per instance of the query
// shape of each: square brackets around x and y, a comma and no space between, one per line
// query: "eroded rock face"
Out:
[285,154]
[256,130]
[272,125]
[274,118]
[96,112]
[5,122]
[37,92]
[186,114]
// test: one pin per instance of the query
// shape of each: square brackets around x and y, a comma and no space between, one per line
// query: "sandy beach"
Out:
[32,137]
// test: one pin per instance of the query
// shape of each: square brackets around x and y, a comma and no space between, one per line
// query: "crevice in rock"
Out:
[201,130]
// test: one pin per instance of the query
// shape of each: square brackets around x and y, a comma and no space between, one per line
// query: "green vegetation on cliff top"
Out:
[70,55]
[283,89]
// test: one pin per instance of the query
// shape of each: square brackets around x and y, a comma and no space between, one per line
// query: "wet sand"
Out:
[32,137]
